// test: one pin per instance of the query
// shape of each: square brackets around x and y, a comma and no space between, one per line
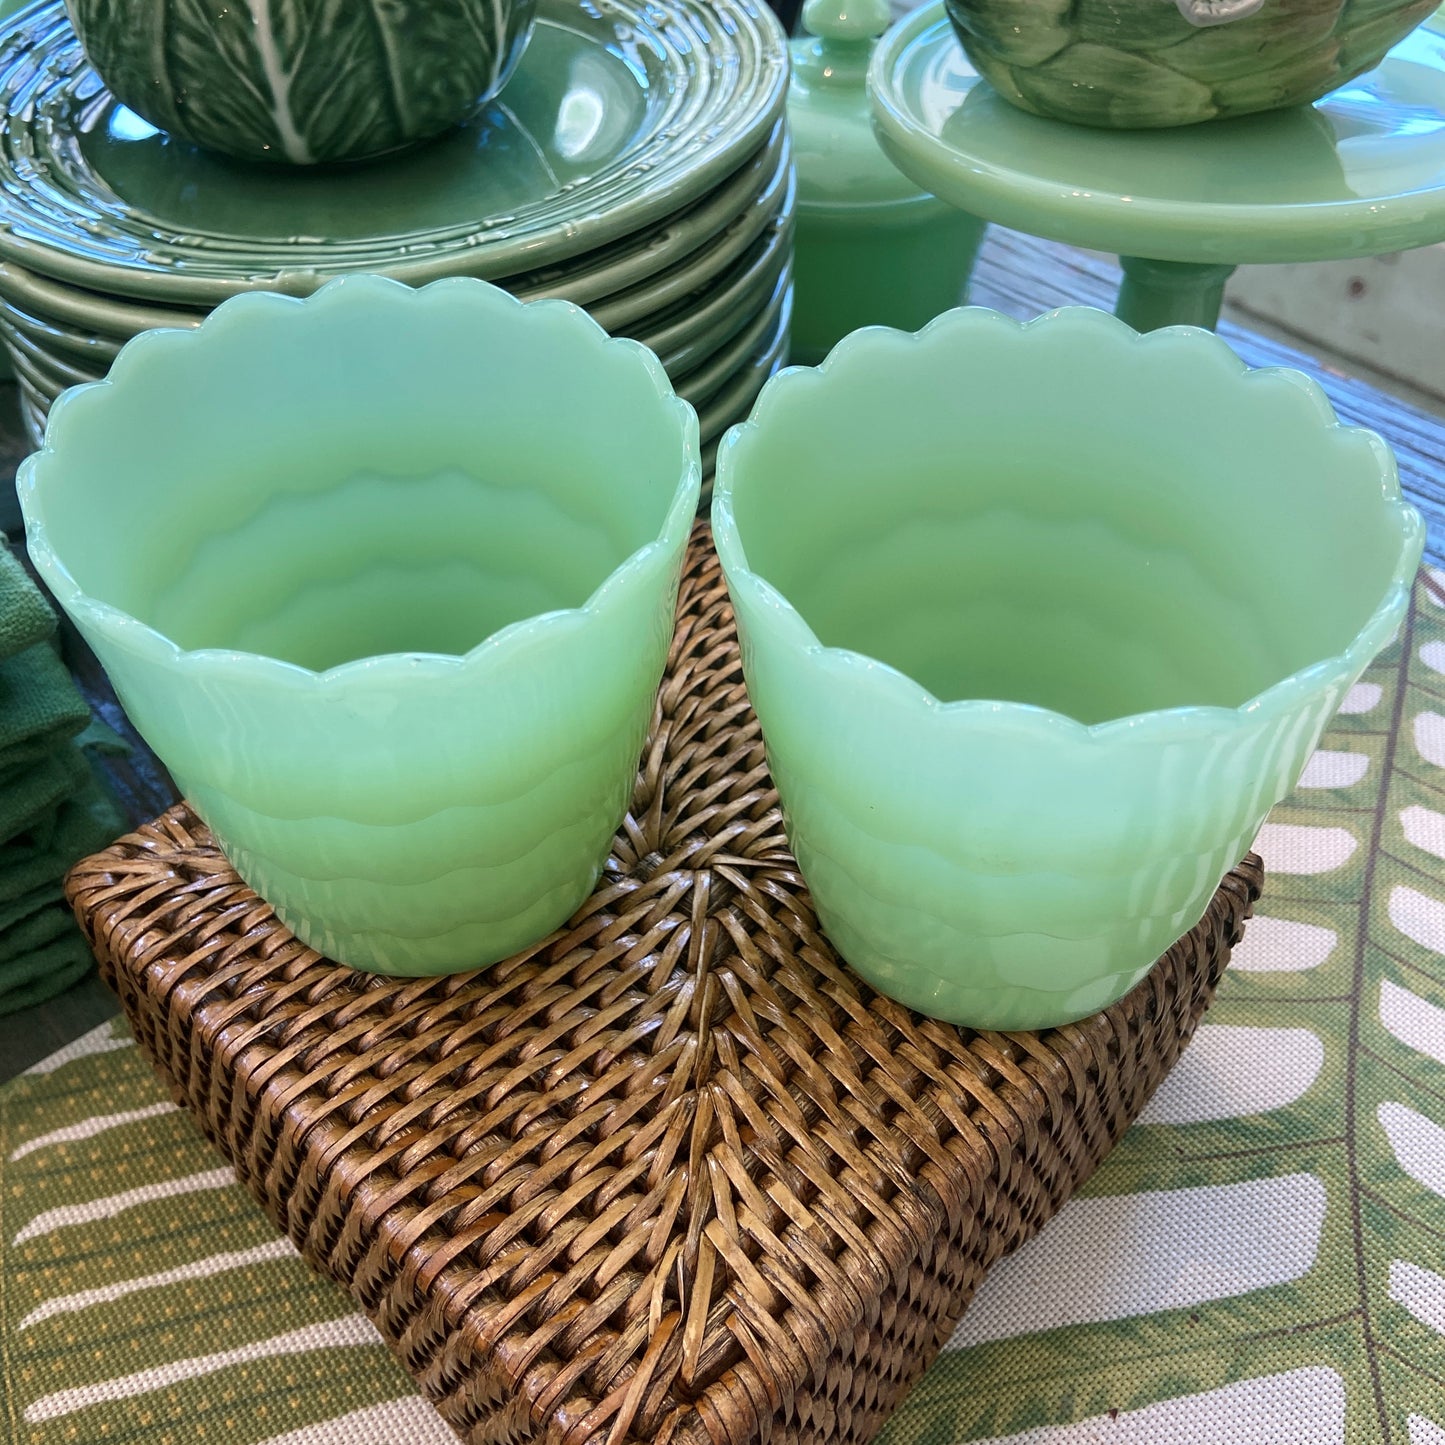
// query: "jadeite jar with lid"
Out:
[872,249]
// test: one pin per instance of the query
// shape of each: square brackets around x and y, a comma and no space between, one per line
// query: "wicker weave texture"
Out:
[674,1175]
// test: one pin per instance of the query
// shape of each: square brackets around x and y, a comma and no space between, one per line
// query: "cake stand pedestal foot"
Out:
[1170,293]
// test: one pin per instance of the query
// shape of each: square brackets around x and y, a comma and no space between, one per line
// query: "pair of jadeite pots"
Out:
[1039,620]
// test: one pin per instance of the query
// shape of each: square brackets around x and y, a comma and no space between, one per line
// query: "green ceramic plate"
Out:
[728,404]
[688,235]
[1359,173]
[48,364]
[35,389]
[732,401]
[92,352]
[701,272]
[685,336]
[620,115]
[698,386]
[87,312]
[89,317]
[736,329]
[709,320]
[33,419]
[37,372]
[735,405]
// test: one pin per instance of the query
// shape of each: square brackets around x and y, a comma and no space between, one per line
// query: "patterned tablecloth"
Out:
[1261,1262]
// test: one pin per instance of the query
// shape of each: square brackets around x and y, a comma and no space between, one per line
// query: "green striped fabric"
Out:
[1261,1262]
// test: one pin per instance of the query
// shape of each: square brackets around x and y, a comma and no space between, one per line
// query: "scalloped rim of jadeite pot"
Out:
[1282,697]
[383,669]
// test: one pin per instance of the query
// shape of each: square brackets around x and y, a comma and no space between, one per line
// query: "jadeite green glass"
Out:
[303,81]
[1032,670]
[386,578]
[1130,64]
[1359,174]
[872,248]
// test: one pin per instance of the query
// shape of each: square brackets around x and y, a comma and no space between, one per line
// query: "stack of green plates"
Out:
[636,164]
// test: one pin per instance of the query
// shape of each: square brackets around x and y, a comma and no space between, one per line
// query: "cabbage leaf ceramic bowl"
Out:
[387,579]
[304,81]
[1040,621]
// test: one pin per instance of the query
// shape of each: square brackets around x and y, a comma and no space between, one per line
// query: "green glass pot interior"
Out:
[1135,64]
[303,81]
[1039,622]
[387,579]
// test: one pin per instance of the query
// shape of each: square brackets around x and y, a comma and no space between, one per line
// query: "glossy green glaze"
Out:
[839,164]
[706,337]
[1032,671]
[872,248]
[620,117]
[1129,64]
[1170,293]
[394,629]
[623,286]
[734,399]
[740,354]
[898,268]
[1358,174]
[304,82]
[714,292]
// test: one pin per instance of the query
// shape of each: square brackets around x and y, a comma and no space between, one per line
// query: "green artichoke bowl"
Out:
[1139,64]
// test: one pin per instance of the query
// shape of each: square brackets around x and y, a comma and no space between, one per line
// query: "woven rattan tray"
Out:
[672,1176]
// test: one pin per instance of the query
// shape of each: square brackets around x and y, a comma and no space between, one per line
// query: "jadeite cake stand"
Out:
[1359,173]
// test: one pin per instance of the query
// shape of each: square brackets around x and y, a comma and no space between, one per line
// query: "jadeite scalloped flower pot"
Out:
[387,579]
[1039,622]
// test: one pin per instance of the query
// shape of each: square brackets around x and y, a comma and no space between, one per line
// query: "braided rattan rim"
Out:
[673,1175]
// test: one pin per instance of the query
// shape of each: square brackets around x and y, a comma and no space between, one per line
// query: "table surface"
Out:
[1360,173]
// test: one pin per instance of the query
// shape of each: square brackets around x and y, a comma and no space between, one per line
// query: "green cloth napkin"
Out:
[24,938]
[25,615]
[40,955]
[25,906]
[42,952]
[53,809]
[41,855]
[48,970]
[39,703]
[31,790]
